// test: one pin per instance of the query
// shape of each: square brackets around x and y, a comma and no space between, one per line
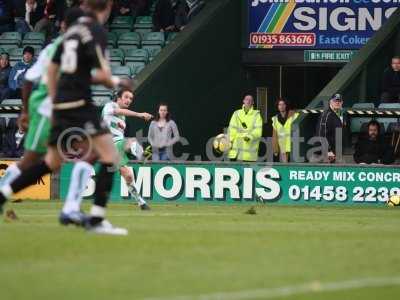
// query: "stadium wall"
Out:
[235,183]
[360,79]
[198,74]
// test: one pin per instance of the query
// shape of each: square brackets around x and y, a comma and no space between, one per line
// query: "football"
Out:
[394,200]
[221,143]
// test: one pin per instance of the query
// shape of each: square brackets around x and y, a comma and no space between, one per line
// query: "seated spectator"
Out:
[131,7]
[164,16]
[11,145]
[371,147]
[34,12]
[5,70]
[6,16]
[391,82]
[163,134]
[18,71]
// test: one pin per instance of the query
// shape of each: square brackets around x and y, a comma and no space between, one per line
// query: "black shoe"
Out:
[144,207]
[75,218]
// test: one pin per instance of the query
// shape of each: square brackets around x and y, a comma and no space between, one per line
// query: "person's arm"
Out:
[275,143]
[256,132]
[12,83]
[130,113]
[358,152]
[151,135]
[176,137]
[53,74]
[232,129]
[386,81]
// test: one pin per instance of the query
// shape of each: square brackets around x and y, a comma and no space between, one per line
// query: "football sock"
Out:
[134,193]
[79,178]
[29,177]
[104,180]
[11,173]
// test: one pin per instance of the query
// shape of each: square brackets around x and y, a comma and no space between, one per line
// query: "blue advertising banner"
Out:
[316,24]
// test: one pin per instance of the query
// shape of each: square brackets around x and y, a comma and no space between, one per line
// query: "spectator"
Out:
[163,134]
[164,16]
[6,16]
[282,130]
[34,12]
[330,122]
[371,147]
[181,14]
[245,130]
[391,82]
[9,129]
[18,71]
[5,70]
[131,7]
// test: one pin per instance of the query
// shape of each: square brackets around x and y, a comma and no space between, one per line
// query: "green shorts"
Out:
[123,157]
[38,133]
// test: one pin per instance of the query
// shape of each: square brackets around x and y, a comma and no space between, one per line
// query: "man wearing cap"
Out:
[330,123]
[17,73]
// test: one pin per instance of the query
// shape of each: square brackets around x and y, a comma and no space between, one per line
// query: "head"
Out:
[124,98]
[282,105]
[396,63]
[248,102]
[27,54]
[373,129]
[30,2]
[336,102]
[72,15]
[4,60]
[162,112]
[100,8]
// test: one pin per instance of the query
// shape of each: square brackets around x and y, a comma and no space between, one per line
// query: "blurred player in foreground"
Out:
[36,108]
[81,53]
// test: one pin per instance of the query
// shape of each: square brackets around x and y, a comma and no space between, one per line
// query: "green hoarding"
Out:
[328,56]
[236,183]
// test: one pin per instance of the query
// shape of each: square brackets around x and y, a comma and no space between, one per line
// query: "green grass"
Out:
[196,250]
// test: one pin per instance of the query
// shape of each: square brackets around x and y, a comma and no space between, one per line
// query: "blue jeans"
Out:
[21,26]
[162,155]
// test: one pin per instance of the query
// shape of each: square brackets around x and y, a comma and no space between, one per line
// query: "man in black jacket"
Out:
[329,125]
[371,147]
[391,82]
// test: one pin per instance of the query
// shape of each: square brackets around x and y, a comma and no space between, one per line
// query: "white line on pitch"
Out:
[136,214]
[311,287]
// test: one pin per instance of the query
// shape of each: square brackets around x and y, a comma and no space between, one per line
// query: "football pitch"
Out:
[201,251]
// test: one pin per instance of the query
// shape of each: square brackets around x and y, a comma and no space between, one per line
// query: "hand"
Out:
[126,83]
[146,116]
[331,156]
[23,121]
[121,125]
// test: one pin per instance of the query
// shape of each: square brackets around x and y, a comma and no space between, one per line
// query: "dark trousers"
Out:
[8,129]
[390,97]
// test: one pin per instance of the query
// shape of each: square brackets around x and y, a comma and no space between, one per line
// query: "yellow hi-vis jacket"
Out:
[245,130]
[281,135]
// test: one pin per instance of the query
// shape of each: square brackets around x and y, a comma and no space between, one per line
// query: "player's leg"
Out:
[81,172]
[108,159]
[35,146]
[71,211]
[125,146]
[52,162]
[127,174]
